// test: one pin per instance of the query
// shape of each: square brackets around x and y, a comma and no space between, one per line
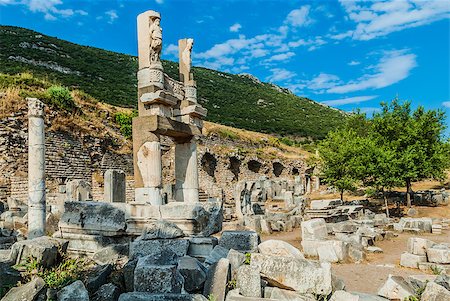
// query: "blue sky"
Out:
[348,54]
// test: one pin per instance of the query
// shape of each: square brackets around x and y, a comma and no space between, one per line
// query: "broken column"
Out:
[36,168]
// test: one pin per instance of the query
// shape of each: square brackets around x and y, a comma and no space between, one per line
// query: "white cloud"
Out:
[379,18]
[280,74]
[171,50]
[354,63]
[312,43]
[280,57]
[48,7]
[159,1]
[348,100]
[393,67]
[299,17]
[112,16]
[235,27]
[323,81]
[446,104]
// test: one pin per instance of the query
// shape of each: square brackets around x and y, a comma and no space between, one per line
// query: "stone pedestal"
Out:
[36,169]
[186,172]
[115,186]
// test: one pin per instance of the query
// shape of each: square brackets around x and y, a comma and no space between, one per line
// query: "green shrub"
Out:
[227,134]
[248,258]
[124,120]
[61,98]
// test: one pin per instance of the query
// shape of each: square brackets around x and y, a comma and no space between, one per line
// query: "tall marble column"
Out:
[186,172]
[36,169]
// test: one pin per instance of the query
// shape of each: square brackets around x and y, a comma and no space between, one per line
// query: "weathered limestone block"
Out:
[435,292]
[158,274]
[111,254]
[139,248]
[345,227]
[396,287]
[193,272]
[443,280]
[248,281]
[217,279]
[161,229]
[107,292]
[344,296]
[369,297]
[28,291]
[439,253]
[115,186]
[414,224]
[409,260]
[74,292]
[303,276]
[89,244]
[356,252]
[279,248]
[94,218]
[141,296]
[201,247]
[329,249]
[236,259]
[314,229]
[78,191]
[432,267]
[245,241]
[418,245]
[97,277]
[217,253]
[373,249]
[276,293]
[128,274]
[44,249]
[8,276]
[418,282]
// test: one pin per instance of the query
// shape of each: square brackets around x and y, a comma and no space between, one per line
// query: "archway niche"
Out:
[295,171]
[254,165]
[277,168]
[209,164]
[235,167]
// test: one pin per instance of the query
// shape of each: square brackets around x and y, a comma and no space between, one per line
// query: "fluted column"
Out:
[36,169]
[186,172]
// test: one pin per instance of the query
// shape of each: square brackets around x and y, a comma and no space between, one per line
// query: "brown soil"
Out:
[369,276]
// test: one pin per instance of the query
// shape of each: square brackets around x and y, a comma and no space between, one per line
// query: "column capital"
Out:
[35,107]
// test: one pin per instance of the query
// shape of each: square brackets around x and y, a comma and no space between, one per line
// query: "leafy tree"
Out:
[411,143]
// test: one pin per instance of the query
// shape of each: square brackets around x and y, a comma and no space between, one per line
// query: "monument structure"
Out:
[36,168]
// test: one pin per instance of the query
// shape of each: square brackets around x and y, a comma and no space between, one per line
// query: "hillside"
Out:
[236,100]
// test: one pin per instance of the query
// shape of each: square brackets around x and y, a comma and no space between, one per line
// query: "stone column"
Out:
[186,172]
[36,169]
[115,186]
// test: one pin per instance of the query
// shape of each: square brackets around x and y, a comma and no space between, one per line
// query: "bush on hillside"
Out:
[124,120]
[61,98]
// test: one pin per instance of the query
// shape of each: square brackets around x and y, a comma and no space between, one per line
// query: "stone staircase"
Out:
[203,196]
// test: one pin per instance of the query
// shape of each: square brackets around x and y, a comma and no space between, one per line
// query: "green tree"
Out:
[413,143]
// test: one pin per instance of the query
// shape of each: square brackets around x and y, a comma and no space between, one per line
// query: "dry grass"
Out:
[10,101]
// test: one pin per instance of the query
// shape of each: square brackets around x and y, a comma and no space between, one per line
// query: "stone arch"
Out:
[209,163]
[235,167]
[254,165]
[277,168]
[295,171]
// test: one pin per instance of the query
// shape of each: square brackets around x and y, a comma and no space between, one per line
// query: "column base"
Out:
[187,195]
[150,195]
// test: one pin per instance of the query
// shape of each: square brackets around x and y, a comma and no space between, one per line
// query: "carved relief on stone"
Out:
[174,87]
[185,61]
[190,93]
[35,107]
[155,33]
[150,77]
[186,56]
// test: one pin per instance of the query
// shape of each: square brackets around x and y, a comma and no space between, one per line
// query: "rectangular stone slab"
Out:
[164,126]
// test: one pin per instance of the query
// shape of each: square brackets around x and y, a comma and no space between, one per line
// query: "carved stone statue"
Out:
[186,57]
[155,32]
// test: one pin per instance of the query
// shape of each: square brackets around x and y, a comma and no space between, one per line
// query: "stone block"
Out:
[344,296]
[248,281]
[265,227]
[161,229]
[276,293]
[431,267]
[418,246]
[435,292]
[418,282]
[314,229]
[193,272]
[115,186]
[356,252]
[217,253]
[217,279]
[97,277]
[128,275]
[396,288]
[141,296]
[85,244]
[139,248]
[301,275]
[201,247]
[44,249]
[409,260]
[439,253]
[236,259]
[107,292]
[344,227]
[244,241]
[414,224]
[373,249]
[279,248]
[369,297]
[155,274]
[78,190]
[329,248]
[74,292]
[111,254]
[444,280]
[8,276]
[94,218]
[28,291]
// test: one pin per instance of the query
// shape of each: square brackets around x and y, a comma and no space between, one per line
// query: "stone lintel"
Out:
[194,110]
[165,126]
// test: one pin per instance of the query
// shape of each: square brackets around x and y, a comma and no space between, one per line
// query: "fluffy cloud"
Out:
[299,17]
[235,27]
[393,67]
[348,100]
[354,63]
[446,104]
[280,57]
[48,7]
[312,44]
[111,15]
[378,18]
[280,74]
